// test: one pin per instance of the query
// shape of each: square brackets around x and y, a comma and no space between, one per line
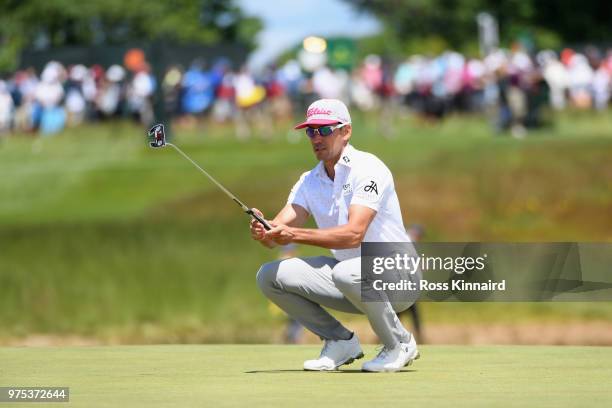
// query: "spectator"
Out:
[329,84]
[601,87]
[556,76]
[277,103]
[580,79]
[171,86]
[110,92]
[224,109]
[140,94]
[248,96]
[198,89]
[6,108]
[26,83]
[49,96]
[90,90]
[75,100]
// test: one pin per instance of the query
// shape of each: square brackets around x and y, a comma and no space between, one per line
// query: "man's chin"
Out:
[320,155]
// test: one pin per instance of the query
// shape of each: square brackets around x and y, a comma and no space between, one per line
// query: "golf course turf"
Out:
[106,238]
[106,241]
[271,375]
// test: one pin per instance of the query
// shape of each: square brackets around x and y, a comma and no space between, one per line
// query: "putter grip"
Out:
[261,220]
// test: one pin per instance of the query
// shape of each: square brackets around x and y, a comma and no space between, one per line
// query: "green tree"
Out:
[407,23]
[32,23]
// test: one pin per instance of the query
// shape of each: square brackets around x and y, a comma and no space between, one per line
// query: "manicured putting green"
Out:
[271,375]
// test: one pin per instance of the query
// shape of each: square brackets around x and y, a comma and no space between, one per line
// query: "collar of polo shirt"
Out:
[346,159]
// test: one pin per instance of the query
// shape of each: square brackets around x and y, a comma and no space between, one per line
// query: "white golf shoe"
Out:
[393,359]
[334,354]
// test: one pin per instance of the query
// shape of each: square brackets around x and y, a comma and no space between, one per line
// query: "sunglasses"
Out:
[323,130]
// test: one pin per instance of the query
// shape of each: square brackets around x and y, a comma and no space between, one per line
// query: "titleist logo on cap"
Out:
[325,112]
[317,111]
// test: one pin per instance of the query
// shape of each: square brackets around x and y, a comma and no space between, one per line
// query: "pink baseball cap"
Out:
[325,112]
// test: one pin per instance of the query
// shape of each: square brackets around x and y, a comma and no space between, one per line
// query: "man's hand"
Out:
[280,234]
[290,216]
[258,232]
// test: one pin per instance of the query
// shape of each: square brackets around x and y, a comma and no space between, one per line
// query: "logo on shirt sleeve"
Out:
[371,188]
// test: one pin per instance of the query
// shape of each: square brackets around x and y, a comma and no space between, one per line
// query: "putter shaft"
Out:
[246,209]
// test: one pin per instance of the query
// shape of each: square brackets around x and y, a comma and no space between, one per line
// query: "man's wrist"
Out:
[294,231]
[297,235]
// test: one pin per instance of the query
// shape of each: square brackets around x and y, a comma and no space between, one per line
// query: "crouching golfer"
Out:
[352,198]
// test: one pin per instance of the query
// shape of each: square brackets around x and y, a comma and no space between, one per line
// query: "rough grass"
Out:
[101,235]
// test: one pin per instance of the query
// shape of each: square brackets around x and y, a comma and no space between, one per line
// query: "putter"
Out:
[157,137]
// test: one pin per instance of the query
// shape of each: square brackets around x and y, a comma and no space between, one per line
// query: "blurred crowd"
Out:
[511,85]
[61,96]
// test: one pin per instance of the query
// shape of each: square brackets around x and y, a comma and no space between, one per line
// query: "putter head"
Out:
[157,136]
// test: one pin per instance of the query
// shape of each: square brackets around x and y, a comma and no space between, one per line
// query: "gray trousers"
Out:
[303,286]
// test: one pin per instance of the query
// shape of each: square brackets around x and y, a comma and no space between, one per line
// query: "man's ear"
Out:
[347,131]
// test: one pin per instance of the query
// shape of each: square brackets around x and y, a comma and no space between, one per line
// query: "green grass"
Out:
[101,236]
[264,376]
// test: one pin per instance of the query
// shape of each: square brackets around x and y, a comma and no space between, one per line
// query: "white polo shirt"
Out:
[362,179]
